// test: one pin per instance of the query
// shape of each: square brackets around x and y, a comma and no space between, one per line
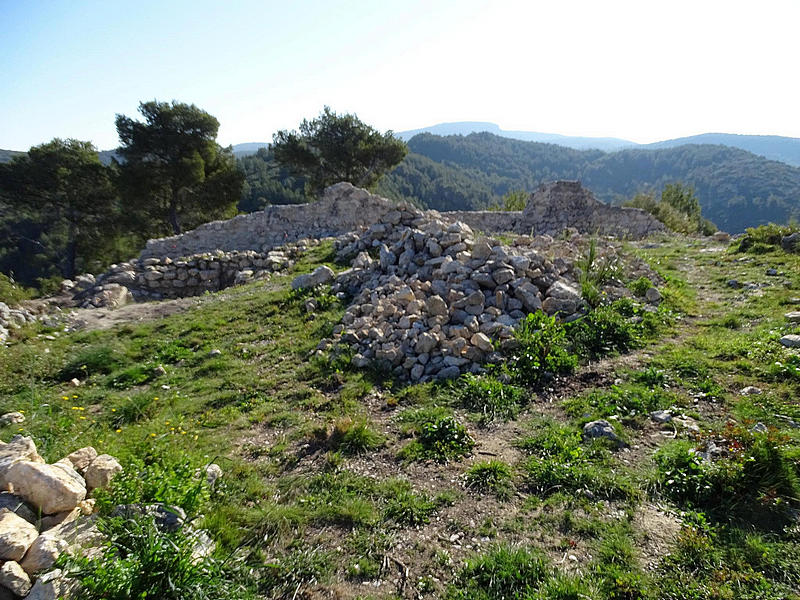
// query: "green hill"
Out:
[737,189]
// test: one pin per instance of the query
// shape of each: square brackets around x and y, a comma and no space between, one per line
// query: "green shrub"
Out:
[354,437]
[542,350]
[602,331]
[756,469]
[158,479]
[140,561]
[765,238]
[408,508]
[492,476]
[442,440]
[11,292]
[132,376]
[488,396]
[502,573]
[640,286]
[94,360]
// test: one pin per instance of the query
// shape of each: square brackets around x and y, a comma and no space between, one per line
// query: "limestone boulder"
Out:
[74,537]
[13,578]
[82,458]
[16,535]
[319,276]
[51,488]
[101,471]
[11,418]
[18,449]
[54,586]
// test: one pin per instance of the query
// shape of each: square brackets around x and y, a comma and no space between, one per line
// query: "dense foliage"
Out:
[66,209]
[678,208]
[266,182]
[174,175]
[334,148]
[59,211]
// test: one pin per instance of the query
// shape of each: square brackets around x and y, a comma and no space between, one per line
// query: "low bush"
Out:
[640,286]
[353,437]
[442,439]
[542,352]
[95,360]
[140,561]
[157,479]
[493,476]
[488,396]
[603,331]
[502,573]
[764,238]
[752,471]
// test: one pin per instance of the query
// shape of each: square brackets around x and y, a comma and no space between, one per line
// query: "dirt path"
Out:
[106,318]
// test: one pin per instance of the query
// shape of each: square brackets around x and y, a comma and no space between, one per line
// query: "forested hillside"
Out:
[774,147]
[737,189]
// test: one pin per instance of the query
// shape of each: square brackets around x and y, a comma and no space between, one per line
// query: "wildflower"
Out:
[119,430]
[152,435]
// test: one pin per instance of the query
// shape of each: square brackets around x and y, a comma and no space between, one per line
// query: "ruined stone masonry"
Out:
[224,253]
[553,208]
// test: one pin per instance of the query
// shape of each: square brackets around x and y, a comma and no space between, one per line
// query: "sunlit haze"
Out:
[642,71]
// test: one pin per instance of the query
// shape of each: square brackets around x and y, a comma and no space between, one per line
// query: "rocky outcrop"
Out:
[43,514]
[13,318]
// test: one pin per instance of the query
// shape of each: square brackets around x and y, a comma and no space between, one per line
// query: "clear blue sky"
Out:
[632,69]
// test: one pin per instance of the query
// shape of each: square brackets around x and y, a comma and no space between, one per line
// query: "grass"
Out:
[480,487]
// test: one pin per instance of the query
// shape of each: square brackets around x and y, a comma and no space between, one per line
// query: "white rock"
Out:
[213,473]
[16,535]
[18,449]
[102,470]
[13,578]
[51,488]
[53,586]
[482,341]
[750,390]
[793,316]
[11,418]
[82,458]
[72,537]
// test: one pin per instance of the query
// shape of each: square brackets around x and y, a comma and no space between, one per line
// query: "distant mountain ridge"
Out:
[773,147]
[608,144]
[737,189]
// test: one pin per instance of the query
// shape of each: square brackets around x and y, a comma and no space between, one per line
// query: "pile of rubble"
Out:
[434,299]
[44,511]
[13,318]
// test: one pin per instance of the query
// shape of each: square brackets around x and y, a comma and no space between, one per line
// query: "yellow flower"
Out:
[152,435]
[82,417]
[119,430]
[113,410]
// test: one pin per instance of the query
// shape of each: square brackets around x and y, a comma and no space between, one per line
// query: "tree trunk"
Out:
[173,214]
[72,252]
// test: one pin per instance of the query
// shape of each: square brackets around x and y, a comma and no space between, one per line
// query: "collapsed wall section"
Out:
[343,208]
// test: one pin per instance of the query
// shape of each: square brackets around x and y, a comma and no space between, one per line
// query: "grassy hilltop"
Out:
[345,483]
